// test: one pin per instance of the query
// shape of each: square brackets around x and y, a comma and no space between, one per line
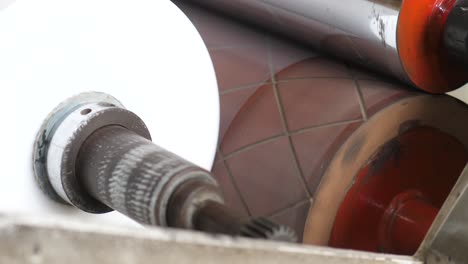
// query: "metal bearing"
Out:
[61,136]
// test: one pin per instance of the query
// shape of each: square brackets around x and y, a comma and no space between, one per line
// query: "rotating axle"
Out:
[94,154]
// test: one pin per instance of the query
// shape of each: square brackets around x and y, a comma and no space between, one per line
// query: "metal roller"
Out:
[352,158]
[418,42]
[72,47]
[136,177]
[96,155]
[153,186]
[90,155]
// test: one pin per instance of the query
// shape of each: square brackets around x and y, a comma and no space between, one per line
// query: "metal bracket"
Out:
[42,240]
[447,240]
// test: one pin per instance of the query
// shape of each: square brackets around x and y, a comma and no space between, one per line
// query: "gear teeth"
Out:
[266,229]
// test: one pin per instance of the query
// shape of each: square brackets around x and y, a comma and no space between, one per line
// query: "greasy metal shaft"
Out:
[133,175]
[214,217]
[153,186]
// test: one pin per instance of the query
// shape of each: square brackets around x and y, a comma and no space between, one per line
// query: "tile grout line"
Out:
[311,128]
[243,87]
[275,85]
[279,105]
[292,133]
[362,104]
[286,80]
[289,79]
[253,145]
[234,183]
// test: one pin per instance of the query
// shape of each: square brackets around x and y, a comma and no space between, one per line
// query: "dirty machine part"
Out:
[410,40]
[100,158]
[376,158]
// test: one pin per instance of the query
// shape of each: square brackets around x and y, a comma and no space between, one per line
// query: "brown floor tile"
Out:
[314,67]
[377,94]
[237,67]
[294,217]
[231,196]
[231,103]
[267,177]
[256,120]
[315,148]
[315,102]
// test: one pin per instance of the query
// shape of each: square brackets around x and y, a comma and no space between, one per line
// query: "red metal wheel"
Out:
[398,193]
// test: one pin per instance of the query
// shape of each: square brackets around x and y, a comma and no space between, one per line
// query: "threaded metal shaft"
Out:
[153,186]
[133,175]
[97,156]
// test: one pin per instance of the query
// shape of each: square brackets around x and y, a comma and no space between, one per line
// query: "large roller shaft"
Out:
[100,158]
[153,186]
[134,176]
[404,39]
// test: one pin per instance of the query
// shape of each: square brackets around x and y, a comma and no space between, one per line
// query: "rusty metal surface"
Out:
[72,106]
[147,183]
[59,140]
[130,174]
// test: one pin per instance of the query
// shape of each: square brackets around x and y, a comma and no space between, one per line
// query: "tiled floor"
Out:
[285,110]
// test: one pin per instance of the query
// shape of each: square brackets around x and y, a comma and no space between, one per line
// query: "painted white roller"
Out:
[146,53]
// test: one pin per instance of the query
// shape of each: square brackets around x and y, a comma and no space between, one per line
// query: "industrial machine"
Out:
[375,159]
[107,109]
[90,151]
[422,43]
